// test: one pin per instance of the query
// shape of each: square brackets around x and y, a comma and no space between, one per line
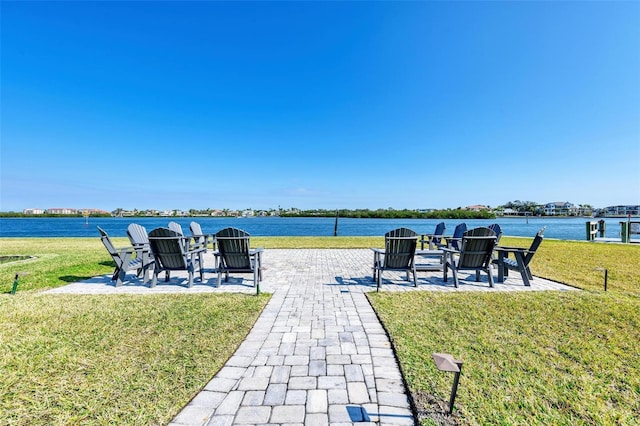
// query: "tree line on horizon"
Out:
[458,213]
[520,207]
[344,213]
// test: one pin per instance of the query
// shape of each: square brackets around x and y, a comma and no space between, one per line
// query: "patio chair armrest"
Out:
[450,240]
[428,252]
[449,250]
[142,247]
[126,250]
[257,253]
[195,237]
[188,246]
[507,249]
[198,247]
[207,237]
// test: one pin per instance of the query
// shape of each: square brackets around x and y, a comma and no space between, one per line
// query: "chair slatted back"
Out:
[137,234]
[106,241]
[176,227]
[234,245]
[497,229]
[438,233]
[400,248]
[195,229]
[401,232]
[534,246]
[457,235]
[140,241]
[168,249]
[477,247]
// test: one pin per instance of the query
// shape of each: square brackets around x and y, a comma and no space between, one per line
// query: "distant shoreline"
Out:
[560,228]
[71,216]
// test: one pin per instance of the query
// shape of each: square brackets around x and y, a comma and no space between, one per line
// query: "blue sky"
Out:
[178,105]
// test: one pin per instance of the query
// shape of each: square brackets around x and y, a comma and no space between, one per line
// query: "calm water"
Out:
[565,229]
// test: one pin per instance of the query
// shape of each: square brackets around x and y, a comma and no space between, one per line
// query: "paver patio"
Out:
[317,354]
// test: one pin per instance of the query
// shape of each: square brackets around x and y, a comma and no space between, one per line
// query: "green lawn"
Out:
[114,359]
[541,358]
[529,358]
[577,262]
[105,359]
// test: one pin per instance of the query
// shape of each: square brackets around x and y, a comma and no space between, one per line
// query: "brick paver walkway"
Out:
[317,354]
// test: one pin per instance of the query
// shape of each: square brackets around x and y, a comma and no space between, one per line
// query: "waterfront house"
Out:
[622,210]
[477,208]
[560,208]
[58,210]
[33,211]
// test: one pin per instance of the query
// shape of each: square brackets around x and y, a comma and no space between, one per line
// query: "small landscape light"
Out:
[445,362]
[15,281]
[15,285]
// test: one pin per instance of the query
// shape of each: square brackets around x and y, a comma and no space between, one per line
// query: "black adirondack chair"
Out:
[172,252]
[497,229]
[176,227]
[196,247]
[199,238]
[475,254]
[236,256]
[398,254]
[125,259]
[521,259]
[434,239]
[140,241]
[454,241]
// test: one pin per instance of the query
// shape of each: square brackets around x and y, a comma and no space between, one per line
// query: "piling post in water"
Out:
[602,228]
[335,227]
[624,232]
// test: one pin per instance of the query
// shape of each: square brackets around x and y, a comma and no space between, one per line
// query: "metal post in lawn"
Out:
[454,388]
[259,267]
[606,276]
[15,285]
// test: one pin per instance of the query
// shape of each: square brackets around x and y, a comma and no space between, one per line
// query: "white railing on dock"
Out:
[592,230]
